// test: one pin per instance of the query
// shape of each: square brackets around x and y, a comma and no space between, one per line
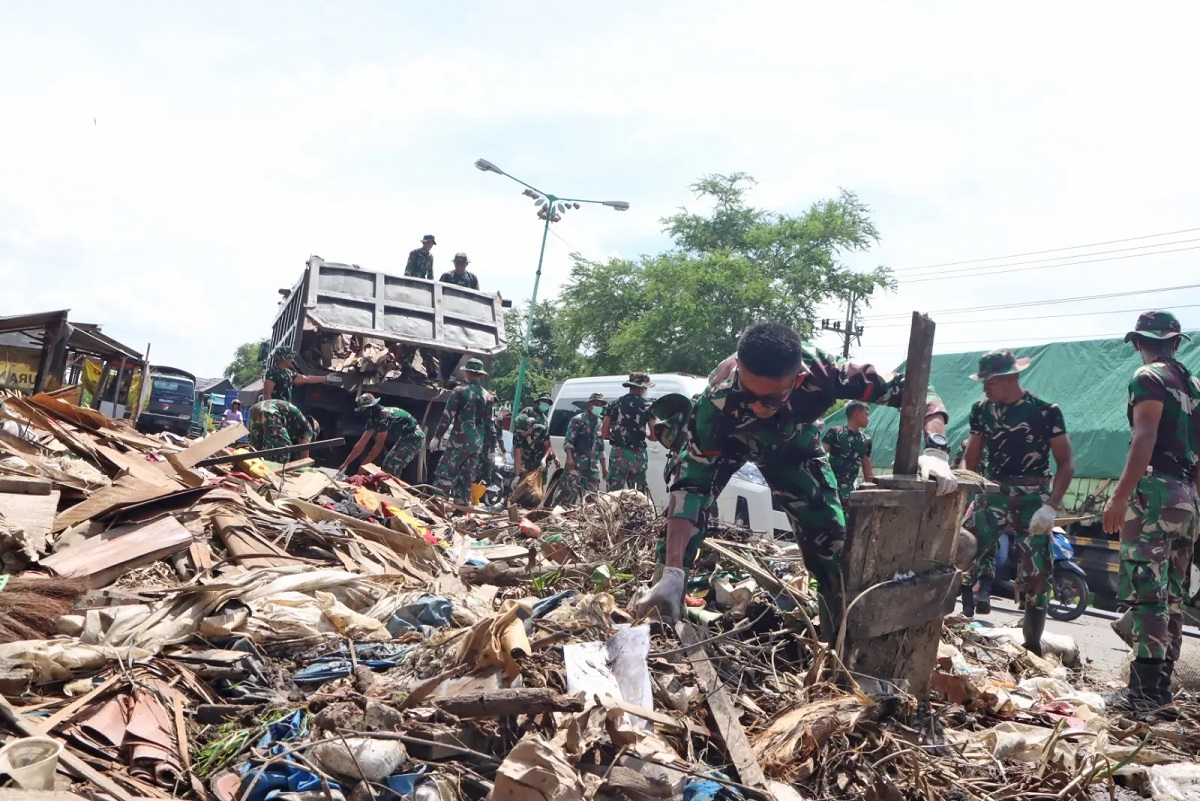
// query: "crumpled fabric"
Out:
[337,665]
[426,615]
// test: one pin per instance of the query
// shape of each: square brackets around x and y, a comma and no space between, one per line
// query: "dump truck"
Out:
[361,327]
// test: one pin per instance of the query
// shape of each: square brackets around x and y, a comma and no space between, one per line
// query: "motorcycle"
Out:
[1068,583]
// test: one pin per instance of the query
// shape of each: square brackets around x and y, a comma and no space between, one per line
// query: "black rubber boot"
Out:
[983,597]
[1033,628]
[1141,697]
[968,601]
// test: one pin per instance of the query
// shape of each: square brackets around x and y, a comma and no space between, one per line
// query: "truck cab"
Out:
[171,403]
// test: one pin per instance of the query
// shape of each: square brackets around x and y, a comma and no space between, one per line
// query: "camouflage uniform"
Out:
[724,433]
[277,424]
[531,436]
[1160,527]
[582,441]
[284,378]
[463,279]
[463,430]
[1017,439]
[847,448]
[628,416]
[410,439]
[420,264]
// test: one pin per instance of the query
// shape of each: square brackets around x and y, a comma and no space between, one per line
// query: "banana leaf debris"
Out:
[246,631]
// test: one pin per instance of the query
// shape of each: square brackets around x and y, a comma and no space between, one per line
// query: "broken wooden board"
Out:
[25,485]
[242,539]
[724,713]
[124,491]
[212,444]
[70,413]
[509,702]
[34,514]
[306,485]
[104,558]
[136,466]
[905,604]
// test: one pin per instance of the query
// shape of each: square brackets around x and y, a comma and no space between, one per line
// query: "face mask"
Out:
[543,407]
[598,411]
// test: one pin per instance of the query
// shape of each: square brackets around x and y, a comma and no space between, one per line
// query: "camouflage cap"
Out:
[999,362]
[639,380]
[543,397]
[596,397]
[474,366]
[461,257]
[282,352]
[1157,325]
[670,404]
[429,238]
[365,401]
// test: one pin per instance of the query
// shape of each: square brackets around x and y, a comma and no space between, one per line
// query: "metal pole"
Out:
[537,278]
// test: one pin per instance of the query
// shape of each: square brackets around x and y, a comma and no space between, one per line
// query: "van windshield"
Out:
[173,386]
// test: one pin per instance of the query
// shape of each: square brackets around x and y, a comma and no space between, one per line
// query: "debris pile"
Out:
[255,631]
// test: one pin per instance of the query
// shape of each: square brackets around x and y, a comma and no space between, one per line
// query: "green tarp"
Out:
[1089,380]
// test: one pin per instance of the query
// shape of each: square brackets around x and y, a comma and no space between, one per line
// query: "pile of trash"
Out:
[247,631]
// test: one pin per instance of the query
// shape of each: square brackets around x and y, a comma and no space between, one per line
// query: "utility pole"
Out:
[847,330]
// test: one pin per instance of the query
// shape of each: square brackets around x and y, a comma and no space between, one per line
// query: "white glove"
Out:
[935,464]
[435,444]
[664,598]
[1043,520]
[339,475]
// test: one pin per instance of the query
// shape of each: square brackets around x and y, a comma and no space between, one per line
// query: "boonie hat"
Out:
[543,396]
[999,362]
[282,352]
[1157,325]
[429,238]
[639,380]
[460,256]
[596,397]
[474,366]
[365,401]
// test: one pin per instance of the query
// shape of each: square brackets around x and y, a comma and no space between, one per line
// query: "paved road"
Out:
[1103,652]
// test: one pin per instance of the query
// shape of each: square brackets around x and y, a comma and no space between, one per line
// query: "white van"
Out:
[746,499]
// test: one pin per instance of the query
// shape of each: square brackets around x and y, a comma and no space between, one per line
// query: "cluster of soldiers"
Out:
[420,265]
[1155,507]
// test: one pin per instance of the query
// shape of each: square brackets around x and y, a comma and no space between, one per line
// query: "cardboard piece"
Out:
[104,558]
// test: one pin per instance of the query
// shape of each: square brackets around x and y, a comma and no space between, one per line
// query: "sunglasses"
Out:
[774,400]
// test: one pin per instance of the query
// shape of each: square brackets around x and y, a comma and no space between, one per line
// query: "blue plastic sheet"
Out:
[405,784]
[336,665]
[548,605]
[709,790]
[284,776]
[426,616]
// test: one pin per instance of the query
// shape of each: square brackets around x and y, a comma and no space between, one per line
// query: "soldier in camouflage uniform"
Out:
[584,452]
[1153,507]
[279,424]
[625,422]
[459,274]
[531,437]
[420,260]
[849,448]
[760,406]
[463,431]
[1019,431]
[383,421]
[670,413]
[281,376]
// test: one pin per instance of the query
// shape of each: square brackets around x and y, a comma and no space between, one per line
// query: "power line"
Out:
[1049,302]
[1044,266]
[1050,250]
[1040,317]
[1060,258]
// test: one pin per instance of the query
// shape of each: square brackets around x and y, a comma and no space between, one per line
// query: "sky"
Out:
[165,168]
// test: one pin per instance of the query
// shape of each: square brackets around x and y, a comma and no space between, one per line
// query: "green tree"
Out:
[245,366]
[549,360]
[683,310]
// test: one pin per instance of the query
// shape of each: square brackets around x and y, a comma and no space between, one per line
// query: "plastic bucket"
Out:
[31,762]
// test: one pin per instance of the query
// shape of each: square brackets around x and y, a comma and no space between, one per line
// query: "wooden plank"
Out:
[509,702]
[25,485]
[33,513]
[68,758]
[104,558]
[242,538]
[136,466]
[895,607]
[725,714]
[125,490]
[217,441]
[911,436]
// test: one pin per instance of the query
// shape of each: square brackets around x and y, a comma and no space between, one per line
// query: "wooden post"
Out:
[898,560]
[911,436]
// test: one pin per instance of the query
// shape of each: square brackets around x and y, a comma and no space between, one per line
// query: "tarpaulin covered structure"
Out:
[1088,379]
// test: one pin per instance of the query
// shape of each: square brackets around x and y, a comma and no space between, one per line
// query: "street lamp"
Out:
[550,208]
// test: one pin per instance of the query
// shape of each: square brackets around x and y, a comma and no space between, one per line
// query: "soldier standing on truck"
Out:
[625,423]
[531,437]
[849,447]
[382,421]
[282,375]
[462,433]
[1153,508]
[1019,431]
[584,451]
[279,424]
[459,274]
[420,260]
